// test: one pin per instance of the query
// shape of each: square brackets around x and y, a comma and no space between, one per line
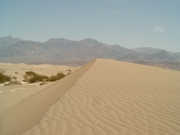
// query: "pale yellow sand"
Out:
[19,70]
[11,95]
[103,97]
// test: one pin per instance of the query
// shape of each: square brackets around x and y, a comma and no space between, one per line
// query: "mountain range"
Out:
[68,52]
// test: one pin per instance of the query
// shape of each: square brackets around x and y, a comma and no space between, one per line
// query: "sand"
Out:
[11,95]
[102,97]
[19,70]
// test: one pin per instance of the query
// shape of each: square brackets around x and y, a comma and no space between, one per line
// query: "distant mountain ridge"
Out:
[147,50]
[8,41]
[60,50]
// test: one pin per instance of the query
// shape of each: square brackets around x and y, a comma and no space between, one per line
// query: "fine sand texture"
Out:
[104,97]
[11,95]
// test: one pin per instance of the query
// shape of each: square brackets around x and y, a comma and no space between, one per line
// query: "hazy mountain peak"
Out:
[9,37]
[61,49]
[58,40]
[161,56]
[8,41]
[89,40]
[163,51]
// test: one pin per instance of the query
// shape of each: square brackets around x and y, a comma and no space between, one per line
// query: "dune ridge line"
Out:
[116,98]
[28,113]
[104,97]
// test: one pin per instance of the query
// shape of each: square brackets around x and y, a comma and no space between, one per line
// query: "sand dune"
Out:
[103,97]
[12,95]
[19,70]
[29,112]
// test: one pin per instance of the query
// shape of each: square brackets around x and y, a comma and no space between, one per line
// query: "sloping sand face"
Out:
[28,112]
[106,97]
[12,95]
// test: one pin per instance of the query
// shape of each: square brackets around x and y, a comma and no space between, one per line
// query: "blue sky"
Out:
[128,23]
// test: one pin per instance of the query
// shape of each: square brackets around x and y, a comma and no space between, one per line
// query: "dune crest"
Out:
[102,97]
[29,112]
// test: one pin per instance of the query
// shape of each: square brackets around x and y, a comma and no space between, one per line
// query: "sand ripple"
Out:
[116,98]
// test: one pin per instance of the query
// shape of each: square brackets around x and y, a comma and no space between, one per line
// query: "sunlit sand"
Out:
[100,98]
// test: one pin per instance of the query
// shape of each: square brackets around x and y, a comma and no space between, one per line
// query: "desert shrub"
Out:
[4,77]
[38,78]
[28,75]
[43,83]
[32,77]
[14,77]
[56,77]
[13,83]
[69,71]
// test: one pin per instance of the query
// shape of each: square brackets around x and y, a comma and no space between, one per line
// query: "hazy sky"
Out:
[128,23]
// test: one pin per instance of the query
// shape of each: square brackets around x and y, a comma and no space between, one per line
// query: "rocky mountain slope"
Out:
[60,50]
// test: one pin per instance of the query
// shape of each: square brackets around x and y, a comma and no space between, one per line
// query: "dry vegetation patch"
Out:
[33,77]
[13,83]
[4,78]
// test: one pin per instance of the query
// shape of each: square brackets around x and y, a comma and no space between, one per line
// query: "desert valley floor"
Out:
[103,97]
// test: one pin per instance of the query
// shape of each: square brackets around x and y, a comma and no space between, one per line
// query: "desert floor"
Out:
[11,95]
[102,97]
